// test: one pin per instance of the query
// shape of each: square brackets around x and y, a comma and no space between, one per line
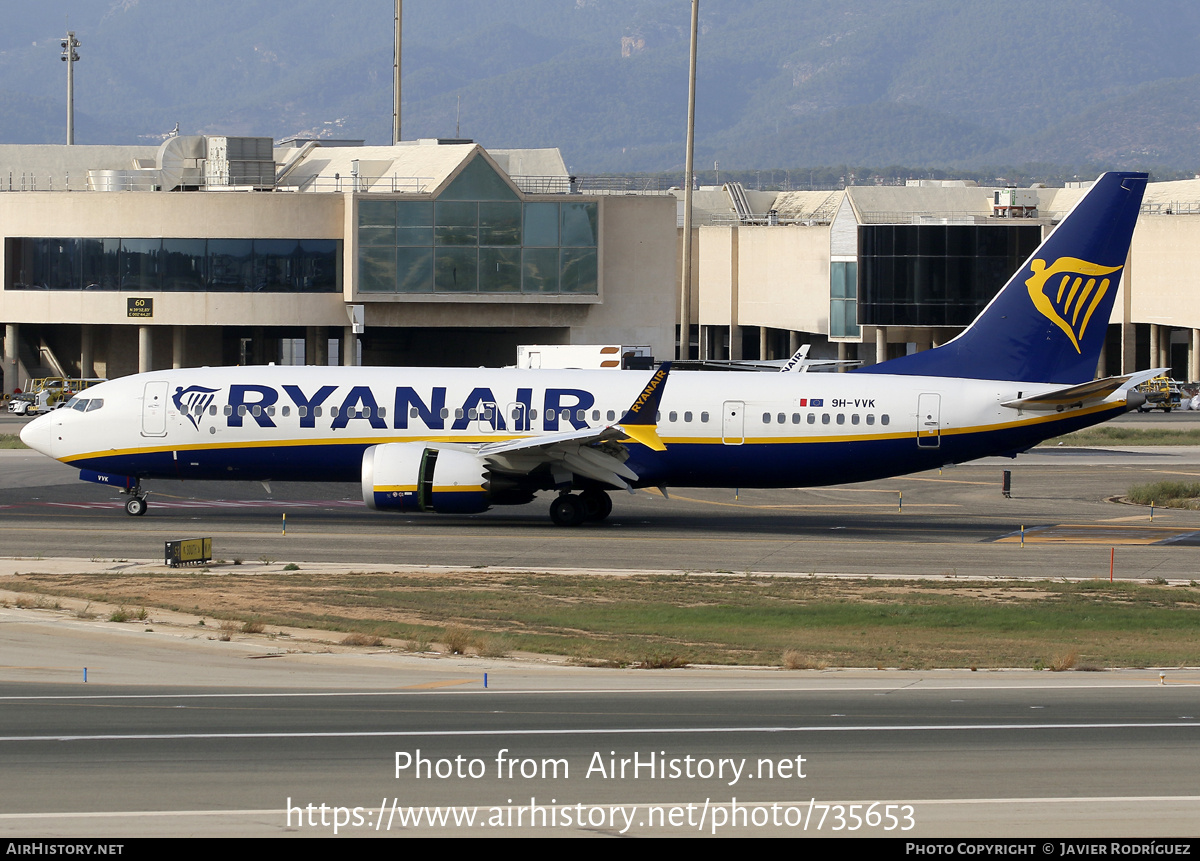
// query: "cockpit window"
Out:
[94,404]
[77,403]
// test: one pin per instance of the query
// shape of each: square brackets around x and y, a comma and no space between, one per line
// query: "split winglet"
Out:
[640,421]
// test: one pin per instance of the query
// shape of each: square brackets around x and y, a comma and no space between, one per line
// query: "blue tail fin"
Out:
[1049,321]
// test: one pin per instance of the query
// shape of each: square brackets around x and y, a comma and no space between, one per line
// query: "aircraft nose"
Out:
[38,434]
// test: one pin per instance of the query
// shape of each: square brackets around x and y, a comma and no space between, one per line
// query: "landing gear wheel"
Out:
[135,506]
[568,510]
[598,504]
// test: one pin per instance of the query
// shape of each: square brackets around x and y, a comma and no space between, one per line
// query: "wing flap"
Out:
[578,450]
[1082,395]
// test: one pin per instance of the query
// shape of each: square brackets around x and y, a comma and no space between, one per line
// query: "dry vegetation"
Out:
[673,621]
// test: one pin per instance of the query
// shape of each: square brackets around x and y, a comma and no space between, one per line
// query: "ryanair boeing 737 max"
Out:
[462,440]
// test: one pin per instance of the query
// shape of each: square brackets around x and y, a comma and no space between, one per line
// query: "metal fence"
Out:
[1176,208]
[610,184]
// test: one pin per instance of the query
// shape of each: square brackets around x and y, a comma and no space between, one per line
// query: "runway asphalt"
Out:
[177,735]
[953,521]
[944,754]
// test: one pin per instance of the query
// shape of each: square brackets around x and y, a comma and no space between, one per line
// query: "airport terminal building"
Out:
[214,250]
[222,251]
[874,272]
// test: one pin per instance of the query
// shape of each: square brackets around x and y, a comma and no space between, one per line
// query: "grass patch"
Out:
[1124,435]
[665,621]
[457,640]
[11,440]
[794,659]
[357,639]
[1167,494]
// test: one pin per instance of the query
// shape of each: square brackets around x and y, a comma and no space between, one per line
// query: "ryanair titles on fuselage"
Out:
[560,407]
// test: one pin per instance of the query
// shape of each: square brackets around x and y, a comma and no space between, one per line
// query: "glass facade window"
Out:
[175,265]
[478,237]
[843,299]
[935,274]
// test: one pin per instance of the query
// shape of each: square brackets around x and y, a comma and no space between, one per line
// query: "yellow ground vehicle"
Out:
[1161,394]
[48,393]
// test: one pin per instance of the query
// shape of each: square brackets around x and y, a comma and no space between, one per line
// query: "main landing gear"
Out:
[135,505]
[569,509]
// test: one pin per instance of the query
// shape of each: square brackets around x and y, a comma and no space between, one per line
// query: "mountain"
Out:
[781,83]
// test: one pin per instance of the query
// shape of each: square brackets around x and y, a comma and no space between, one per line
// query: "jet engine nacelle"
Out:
[410,476]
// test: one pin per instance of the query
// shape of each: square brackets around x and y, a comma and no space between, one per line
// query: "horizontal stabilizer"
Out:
[1082,395]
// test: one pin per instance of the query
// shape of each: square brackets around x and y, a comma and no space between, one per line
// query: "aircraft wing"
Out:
[1081,395]
[590,452]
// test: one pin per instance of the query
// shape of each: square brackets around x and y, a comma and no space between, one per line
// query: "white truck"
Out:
[584,356]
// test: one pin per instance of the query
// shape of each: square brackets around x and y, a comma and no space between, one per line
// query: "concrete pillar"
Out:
[145,349]
[258,346]
[764,343]
[705,346]
[87,359]
[1128,348]
[736,350]
[1154,363]
[12,331]
[1102,365]
[310,345]
[321,350]
[880,344]
[924,338]
[843,353]
[177,343]
[1194,357]
[793,343]
[349,347]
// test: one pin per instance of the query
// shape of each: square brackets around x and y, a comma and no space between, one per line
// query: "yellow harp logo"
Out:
[1068,291]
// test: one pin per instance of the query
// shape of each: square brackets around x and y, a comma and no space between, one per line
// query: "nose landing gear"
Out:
[135,505]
